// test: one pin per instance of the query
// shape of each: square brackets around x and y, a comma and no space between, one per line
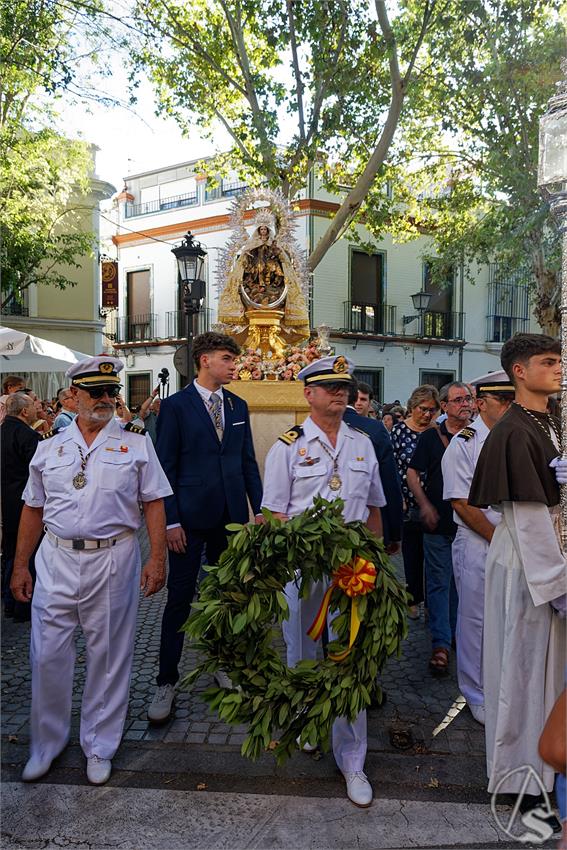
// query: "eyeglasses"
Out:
[98,392]
[427,410]
[461,399]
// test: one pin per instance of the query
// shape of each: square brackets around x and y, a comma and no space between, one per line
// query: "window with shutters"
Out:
[139,388]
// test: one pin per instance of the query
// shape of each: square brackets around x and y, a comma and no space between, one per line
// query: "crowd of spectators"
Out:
[24,418]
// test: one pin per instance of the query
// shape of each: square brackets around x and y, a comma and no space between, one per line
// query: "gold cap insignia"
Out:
[340,365]
[106,368]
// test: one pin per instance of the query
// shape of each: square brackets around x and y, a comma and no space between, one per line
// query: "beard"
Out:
[101,413]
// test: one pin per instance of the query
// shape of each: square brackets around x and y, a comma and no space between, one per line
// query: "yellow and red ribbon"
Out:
[355,579]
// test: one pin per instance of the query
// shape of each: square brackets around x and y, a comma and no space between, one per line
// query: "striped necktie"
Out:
[215,406]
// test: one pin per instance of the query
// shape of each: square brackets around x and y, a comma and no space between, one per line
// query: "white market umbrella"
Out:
[41,362]
[22,352]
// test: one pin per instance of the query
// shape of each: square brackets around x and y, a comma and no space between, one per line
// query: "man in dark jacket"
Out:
[204,444]
[392,512]
[18,444]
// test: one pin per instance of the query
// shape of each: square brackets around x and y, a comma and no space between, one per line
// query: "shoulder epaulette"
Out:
[291,436]
[51,433]
[135,429]
[466,433]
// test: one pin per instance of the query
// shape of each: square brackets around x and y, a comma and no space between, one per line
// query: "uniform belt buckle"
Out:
[78,544]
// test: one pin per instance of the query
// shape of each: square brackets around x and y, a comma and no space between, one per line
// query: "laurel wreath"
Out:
[242,601]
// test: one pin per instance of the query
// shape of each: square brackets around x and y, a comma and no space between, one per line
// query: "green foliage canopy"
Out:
[44,46]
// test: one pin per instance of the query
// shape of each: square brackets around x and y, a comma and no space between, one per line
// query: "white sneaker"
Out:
[358,788]
[305,747]
[477,712]
[222,679]
[162,704]
[98,770]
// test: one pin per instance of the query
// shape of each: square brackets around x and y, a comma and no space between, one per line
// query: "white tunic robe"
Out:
[524,643]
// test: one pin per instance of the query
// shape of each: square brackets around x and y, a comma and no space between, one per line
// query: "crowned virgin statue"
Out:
[263,285]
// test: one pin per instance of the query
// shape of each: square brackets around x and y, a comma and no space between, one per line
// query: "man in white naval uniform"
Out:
[85,486]
[475,527]
[329,458]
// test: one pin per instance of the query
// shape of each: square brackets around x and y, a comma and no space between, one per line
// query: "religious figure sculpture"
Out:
[262,302]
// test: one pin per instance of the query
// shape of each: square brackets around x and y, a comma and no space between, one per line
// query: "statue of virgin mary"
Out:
[263,277]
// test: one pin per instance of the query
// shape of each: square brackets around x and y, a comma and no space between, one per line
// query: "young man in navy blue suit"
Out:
[204,444]
[392,512]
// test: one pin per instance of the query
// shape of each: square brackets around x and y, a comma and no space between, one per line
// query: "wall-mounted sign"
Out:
[109,275]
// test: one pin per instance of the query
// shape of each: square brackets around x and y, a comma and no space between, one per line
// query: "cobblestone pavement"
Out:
[416,701]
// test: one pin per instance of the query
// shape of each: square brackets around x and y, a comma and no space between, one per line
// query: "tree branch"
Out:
[184,39]
[296,70]
[356,196]
[240,144]
[235,27]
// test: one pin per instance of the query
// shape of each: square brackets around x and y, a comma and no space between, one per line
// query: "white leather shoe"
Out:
[477,712]
[162,704]
[306,747]
[98,770]
[35,768]
[358,788]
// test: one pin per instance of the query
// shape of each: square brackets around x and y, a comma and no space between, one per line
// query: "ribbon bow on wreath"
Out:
[355,579]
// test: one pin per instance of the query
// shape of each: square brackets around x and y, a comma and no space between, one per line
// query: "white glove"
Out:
[560,466]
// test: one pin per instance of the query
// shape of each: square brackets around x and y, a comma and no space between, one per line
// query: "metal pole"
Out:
[189,369]
[560,210]
[558,205]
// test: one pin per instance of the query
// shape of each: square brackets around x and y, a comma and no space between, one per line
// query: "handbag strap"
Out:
[442,437]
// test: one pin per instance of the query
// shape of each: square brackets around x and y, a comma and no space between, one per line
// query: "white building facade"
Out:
[364,298]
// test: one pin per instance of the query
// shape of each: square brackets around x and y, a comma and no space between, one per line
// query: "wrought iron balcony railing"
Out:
[436,324]
[175,323]
[174,202]
[364,317]
[225,190]
[143,328]
[14,309]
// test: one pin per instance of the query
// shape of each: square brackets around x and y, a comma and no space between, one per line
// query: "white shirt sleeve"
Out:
[458,470]
[277,479]
[34,494]
[376,497]
[545,567]
[152,482]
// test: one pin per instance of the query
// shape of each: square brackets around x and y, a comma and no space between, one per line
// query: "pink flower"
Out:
[287,375]
[257,375]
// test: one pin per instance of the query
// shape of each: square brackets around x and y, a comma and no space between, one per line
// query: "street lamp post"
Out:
[190,256]
[420,301]
[552,183]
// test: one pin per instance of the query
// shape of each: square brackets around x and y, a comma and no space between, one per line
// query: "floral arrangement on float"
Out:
[253,365]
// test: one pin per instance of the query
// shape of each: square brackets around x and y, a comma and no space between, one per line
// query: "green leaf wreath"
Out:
[242,600]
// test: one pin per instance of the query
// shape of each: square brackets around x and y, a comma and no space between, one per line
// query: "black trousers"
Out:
[181,583]
[412,552]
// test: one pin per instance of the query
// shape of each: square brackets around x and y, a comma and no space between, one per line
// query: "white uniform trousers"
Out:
[469,553]
[98,590]
[349,739]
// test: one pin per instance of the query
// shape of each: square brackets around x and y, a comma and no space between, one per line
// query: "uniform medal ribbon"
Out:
[355,579]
